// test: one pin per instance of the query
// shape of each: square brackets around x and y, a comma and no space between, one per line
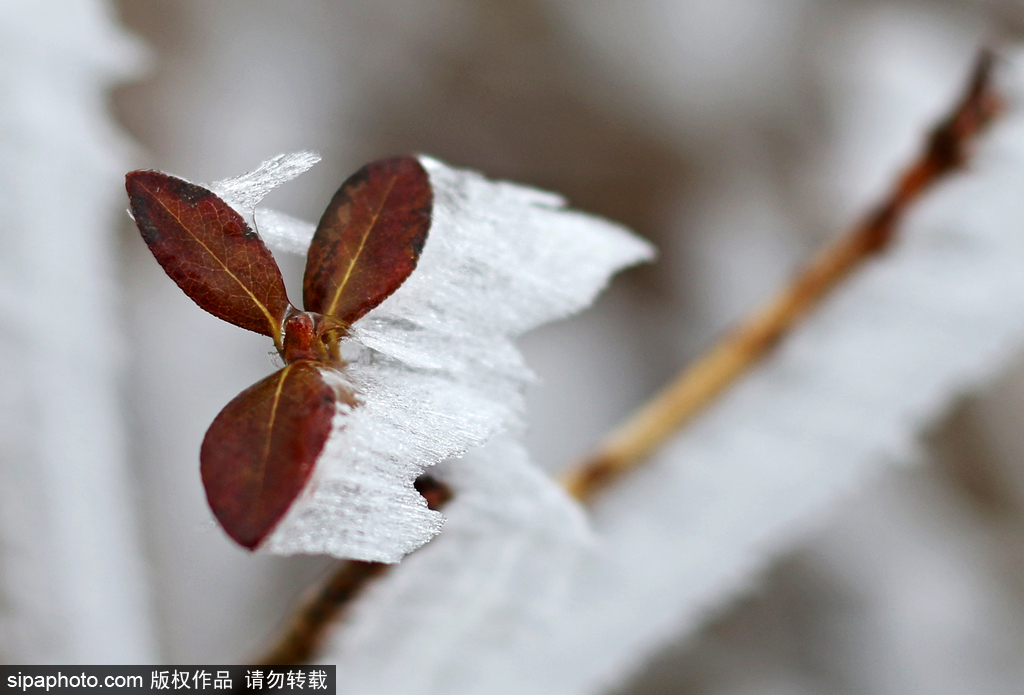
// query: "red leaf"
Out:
[369,238]
[260,450]
[209,251]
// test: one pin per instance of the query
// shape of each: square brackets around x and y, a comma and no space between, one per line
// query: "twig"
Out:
[945,150]
[696,386]
[318,612]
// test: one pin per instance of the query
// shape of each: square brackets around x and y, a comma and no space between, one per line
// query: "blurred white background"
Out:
[738,135]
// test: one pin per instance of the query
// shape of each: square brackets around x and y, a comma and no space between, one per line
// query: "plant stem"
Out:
[945,150]
[317,613]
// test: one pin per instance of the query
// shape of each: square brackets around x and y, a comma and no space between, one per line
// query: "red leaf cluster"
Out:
[261,449]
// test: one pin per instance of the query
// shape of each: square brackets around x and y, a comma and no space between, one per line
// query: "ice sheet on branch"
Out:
[435,363]
[510,535]
[842,398]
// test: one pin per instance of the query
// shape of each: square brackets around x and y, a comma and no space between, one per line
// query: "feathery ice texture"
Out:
[71,577]
[509,547]
[246,191]
[434,363]
[842,398]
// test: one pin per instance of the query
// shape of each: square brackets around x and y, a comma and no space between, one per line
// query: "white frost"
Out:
[284,232]
[511,536]
[435,362]
[246,191]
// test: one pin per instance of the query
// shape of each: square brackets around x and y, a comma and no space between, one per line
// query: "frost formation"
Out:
[435,362]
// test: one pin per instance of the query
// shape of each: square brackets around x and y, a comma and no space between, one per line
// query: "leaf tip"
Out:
[369,239]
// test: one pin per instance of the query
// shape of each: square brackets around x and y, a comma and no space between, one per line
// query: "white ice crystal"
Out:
[509,546]
[246,191]
[435,363]
[287,233]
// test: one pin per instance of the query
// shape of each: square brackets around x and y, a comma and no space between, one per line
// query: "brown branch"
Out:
[945,150]
[318,612]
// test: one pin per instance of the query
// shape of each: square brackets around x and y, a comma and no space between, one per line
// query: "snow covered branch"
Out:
[946,150]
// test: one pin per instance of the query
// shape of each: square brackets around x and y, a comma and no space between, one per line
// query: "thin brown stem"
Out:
[318,612]
[945,150]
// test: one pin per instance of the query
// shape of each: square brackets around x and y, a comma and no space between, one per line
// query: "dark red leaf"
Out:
[369,239]
[209,251]
[260,450]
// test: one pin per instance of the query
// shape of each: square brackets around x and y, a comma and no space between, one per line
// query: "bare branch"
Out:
[945,150]
[318,612]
